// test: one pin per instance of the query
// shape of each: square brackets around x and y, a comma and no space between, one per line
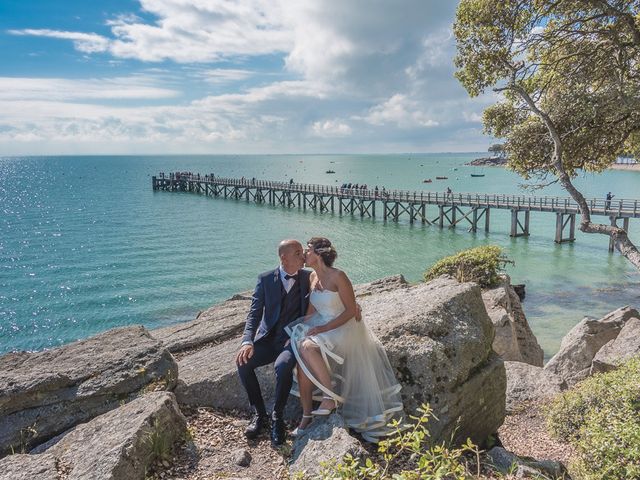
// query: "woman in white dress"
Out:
[339,357]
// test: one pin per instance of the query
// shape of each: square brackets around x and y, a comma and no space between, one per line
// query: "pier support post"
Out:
[441,216]
[517,229]
[561,224]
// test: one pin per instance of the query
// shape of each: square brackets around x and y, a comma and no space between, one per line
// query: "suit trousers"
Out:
[267,351]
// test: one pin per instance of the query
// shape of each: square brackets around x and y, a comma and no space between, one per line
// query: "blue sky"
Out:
[242,76]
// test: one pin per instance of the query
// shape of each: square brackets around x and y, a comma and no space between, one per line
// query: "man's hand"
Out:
[358,312]
[245,353]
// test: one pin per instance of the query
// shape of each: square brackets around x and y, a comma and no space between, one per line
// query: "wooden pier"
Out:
[472,209]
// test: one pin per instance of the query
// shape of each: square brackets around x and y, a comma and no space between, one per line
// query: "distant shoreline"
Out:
[634,167]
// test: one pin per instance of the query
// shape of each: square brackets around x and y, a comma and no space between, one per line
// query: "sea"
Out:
[86,245]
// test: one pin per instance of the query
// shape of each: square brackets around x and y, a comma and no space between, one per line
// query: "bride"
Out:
[338,357]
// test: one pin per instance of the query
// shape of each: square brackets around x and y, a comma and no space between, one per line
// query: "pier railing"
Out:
[453,208]
[597,206]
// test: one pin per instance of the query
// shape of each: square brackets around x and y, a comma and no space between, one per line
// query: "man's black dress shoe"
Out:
[257,423]
[278,431]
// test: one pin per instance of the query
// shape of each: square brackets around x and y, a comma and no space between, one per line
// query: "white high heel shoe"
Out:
[300,431]
[323,412]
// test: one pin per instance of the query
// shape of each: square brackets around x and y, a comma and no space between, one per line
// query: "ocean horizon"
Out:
[87,245]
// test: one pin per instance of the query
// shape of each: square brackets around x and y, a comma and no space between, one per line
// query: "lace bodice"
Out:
[327,303]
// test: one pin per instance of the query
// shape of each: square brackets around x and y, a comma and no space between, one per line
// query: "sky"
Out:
[232,76]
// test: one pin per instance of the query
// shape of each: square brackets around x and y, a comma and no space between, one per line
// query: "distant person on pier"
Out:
[448,193]
[291,181]
[607,203]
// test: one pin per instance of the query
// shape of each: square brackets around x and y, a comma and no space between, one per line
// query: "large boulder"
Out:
[29,467]
[214,325]
[579,347]
[326,441]
[227,319]
[527,383]
[45,393]
[625,346]
[514,339]
[118,445]
[438,338]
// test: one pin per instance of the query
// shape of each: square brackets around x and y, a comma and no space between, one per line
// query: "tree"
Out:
[569,75]
[497,149]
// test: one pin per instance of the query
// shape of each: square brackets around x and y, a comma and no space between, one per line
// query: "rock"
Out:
[527,382]
[438,338]
[524,467]
[241,457]
[325,440]
[580,345]
[214,325]
[28,467]
[619,350]
[519,289]
[209,378]
[45,393]
[386,284]
[226,320]
[488,162]
[120,444]
[514,339]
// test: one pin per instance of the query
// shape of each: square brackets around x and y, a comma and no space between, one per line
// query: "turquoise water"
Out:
[86,244]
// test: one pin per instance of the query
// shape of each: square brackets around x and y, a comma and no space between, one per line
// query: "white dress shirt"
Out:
[288,283]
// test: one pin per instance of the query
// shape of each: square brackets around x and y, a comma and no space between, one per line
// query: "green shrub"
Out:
[407,448]
[601,418]
[481,265]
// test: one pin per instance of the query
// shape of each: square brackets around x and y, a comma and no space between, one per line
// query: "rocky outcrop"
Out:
[488,162]
[527,383]
[523,467]
[514,340]
[438,338]
[45,393]
[326,440]
[227,319]
[118,445]
[582,343]
[29,467]
[214,325]
[625,346]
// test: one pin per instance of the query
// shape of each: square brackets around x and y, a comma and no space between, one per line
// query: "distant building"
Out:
[626,160]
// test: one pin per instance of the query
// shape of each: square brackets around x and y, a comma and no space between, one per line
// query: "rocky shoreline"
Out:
[134,404]
[488,162]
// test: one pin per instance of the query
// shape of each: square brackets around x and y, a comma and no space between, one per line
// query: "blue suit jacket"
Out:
[265,304]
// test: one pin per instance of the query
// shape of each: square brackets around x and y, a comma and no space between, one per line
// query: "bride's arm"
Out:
[310,308]
[348,297]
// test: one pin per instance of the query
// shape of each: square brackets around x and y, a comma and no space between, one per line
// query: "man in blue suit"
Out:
[280,297]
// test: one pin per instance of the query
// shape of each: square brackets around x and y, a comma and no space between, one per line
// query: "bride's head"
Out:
[319,249]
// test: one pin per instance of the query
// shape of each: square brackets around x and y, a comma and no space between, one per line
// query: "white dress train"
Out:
[362,379]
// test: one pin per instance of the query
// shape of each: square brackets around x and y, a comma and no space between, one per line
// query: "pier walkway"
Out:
[471,209]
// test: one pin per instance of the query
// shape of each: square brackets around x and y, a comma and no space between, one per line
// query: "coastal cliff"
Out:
[131,403]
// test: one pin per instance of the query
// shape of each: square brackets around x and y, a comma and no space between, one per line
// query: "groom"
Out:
[281,296]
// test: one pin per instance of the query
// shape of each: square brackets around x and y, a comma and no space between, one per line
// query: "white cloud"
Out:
[331,129]
[54,89]
[83,42]
[357,76]
[401,111]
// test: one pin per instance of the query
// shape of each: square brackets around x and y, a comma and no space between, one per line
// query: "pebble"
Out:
[241,457]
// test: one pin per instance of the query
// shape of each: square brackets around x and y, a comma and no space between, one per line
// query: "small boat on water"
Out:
[330,171]
[477,174]
[441,178]
[427,180]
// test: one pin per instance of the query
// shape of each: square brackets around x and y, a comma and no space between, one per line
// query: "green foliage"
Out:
[569,73]
[409,444]
[481,265]
[159,442]
[601,418]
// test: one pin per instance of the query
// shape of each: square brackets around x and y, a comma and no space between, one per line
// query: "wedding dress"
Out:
[361,376]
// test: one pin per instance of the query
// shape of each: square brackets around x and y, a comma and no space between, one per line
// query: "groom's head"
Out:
[291,255]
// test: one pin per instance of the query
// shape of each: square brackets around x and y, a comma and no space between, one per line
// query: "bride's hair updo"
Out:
[322,247]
